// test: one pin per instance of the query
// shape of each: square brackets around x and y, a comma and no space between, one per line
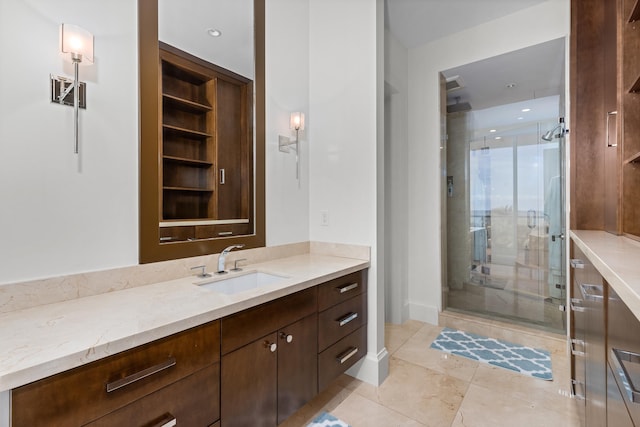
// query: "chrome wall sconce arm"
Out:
[296,122]
[76,44]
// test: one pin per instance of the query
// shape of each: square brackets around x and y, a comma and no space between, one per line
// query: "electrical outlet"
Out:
[324,218]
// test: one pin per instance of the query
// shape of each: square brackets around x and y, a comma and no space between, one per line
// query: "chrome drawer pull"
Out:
[167,421]
[347,355]
[346,288]
[577,263]
[618,356]
[141,375]
[346,319]
[576,352]
[225,233]
[592,292]
[576,305]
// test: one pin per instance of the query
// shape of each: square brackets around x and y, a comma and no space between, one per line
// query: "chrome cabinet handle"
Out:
[576,305]
[609,115]
[575,384]
[271,346]
[575,342]
[347,355]
[225,233]
[167,421]
[622,355]
[287,337]
[577,263]
[130,379]
[347,318]
[222,176]
[346,288]
[592,292]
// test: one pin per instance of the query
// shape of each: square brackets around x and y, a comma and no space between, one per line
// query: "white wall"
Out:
[344,81]
[65,213]
[396,196]
[547,21]
[287,90]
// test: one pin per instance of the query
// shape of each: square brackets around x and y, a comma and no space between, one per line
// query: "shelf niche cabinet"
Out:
[206,150]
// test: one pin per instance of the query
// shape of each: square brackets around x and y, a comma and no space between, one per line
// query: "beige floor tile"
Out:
[484,407]
[430,397]
[417,351]
[326,401]
[358,411]
[396,335]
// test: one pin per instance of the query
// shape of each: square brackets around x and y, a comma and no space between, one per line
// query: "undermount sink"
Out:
[240,283]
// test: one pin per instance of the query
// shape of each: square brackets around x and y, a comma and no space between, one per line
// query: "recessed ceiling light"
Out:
[492,130]
[520,118]
[511,85]
[498,137]
[526,110]
[214,32]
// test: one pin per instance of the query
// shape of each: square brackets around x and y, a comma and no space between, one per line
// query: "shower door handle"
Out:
[531,218]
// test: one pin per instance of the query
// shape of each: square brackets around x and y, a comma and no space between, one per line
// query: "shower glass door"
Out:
[512,265]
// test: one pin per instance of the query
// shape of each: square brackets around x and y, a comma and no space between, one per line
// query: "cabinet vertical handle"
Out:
[609,115]
[347,288]
[347,318]
[167,421]
[621,371]
[576,305]
[222,176]
[347,355]
[130,379]
[575,384]
[575,352]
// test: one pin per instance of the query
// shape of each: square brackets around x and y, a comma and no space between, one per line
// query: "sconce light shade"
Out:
[76,43]
[297,121]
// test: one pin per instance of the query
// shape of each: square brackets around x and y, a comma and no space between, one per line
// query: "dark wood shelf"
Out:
[633,159]
[189,189]
[186,104]
[635,13]
[186,132]
[186,161]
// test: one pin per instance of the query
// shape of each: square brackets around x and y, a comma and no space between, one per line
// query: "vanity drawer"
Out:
[249,325]
[192,401]
[341,356]
[221,230]
[80,395]
[341,289]
[340,320]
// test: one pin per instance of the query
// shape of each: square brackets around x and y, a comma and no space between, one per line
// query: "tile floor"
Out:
[426,387]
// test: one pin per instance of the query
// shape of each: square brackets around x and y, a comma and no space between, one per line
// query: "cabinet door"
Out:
[617,414]
[249,384]
[297,365]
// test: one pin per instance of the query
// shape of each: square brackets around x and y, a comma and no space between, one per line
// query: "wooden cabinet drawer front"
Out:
[192,401]
[341,289]
[341,356]
[247,326]
[340,320]
[221,230]
[80,395]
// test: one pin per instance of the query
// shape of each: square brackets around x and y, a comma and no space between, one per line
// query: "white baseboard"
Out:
[424,313]
[372,368]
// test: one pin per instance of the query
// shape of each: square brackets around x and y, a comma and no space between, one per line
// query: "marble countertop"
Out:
[617,259]
[41,341]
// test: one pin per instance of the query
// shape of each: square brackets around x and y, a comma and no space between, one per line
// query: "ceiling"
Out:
[534,72]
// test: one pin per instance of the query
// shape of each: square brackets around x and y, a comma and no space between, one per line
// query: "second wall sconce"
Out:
[76,44]
[296,122]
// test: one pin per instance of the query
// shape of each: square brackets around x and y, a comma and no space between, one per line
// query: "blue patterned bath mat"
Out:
[526,360]
[327,420]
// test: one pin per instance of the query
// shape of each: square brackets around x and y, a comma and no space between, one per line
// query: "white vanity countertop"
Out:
[618,261]
[41,341]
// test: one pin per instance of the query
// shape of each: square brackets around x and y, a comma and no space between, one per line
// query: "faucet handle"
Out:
[235,264]
[203,273]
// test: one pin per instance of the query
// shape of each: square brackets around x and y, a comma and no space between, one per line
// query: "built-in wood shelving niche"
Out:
[633,159]
[635,14]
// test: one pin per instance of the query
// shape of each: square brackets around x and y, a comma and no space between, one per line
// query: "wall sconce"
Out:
[77,46]
[296,122]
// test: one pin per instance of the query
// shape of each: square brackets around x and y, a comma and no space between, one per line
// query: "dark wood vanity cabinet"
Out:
[266,377]
[173,378]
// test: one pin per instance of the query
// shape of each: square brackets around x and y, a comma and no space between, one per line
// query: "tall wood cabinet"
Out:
[605,116]
[205,149]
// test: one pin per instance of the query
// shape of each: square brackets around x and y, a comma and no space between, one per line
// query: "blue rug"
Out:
[327,420]
[526,360]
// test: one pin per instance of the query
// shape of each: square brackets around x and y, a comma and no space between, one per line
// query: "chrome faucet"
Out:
[223,255]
